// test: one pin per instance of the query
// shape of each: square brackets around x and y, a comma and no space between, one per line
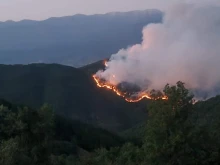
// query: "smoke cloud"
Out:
[185,47]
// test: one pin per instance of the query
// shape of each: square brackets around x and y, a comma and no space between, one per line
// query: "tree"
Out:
[11,153]
[171,138]
[25,135]
[168,130]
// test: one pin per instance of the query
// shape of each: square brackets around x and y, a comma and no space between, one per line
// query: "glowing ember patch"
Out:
[105,63]
[119,93]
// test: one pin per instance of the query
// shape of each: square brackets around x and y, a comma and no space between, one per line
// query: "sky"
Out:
[42,9]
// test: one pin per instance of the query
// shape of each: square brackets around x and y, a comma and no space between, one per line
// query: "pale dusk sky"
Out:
[42,9]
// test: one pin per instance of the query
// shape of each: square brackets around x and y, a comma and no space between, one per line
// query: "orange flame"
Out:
[105,63]
[119,93]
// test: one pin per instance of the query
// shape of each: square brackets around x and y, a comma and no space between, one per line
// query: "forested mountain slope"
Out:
[71,92]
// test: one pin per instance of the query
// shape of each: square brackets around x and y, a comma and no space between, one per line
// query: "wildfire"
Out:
[105,63]
[121,94]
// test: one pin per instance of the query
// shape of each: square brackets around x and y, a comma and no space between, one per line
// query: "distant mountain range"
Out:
[73,40]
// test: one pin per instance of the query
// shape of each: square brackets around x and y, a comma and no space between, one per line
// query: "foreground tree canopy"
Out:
[39,137]
[173,134]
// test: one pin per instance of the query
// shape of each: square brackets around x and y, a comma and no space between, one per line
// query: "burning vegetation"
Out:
[130,92]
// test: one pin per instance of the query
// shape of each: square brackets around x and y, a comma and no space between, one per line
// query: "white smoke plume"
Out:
[185,47]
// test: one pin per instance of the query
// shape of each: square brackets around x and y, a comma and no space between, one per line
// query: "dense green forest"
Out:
[29,136]
[176,132]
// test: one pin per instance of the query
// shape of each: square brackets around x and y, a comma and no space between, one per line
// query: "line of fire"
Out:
[132,96]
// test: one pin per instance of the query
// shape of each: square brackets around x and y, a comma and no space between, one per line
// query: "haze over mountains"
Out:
[73,40]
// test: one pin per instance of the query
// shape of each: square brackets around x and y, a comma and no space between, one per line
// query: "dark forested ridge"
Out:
[70,91]
[74,40]
[94,67]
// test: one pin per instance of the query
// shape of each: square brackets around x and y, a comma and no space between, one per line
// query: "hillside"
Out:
[71,92]
[74,40]
[94,67]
